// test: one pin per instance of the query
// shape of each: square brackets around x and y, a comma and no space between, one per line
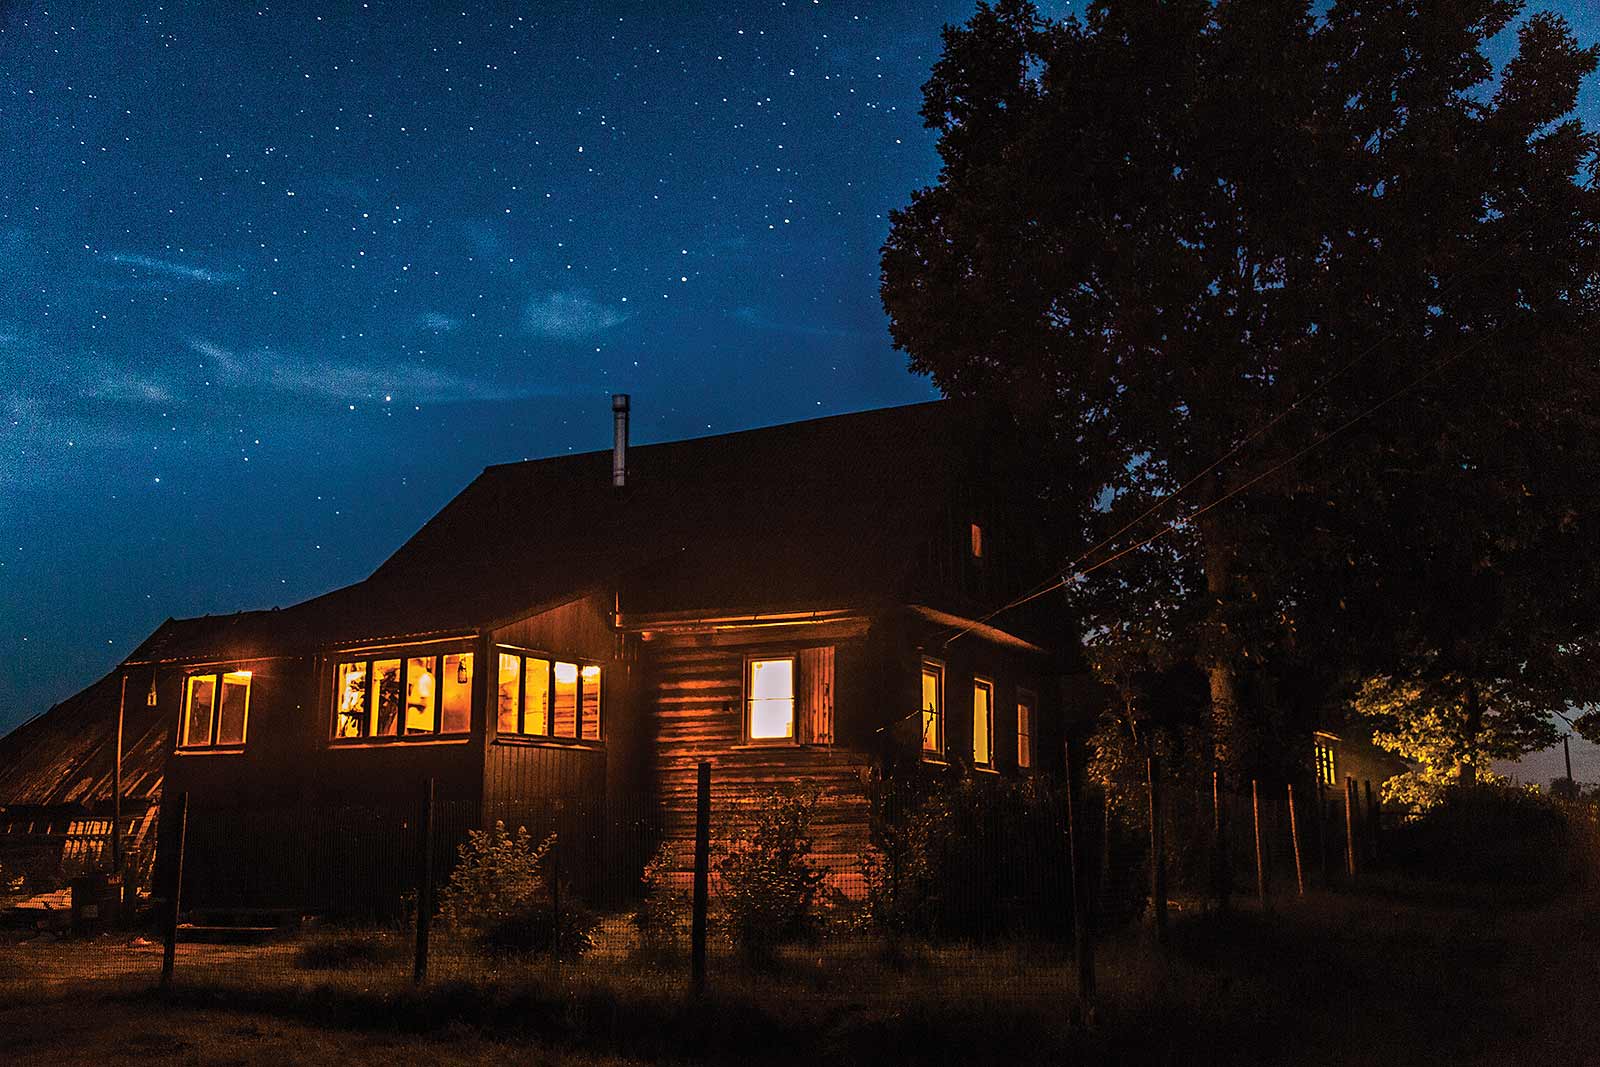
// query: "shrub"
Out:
[1489,833]
[536,930]
[768,885]
[665,911]
[500,874]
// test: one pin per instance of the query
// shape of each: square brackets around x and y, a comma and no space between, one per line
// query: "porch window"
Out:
[1026,702]
[413,695]
[216,710]
[769,699]
[932,708]
[982,722]
[1327,769]
[540,697]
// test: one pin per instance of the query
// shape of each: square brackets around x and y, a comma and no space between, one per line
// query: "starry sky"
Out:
[277,280]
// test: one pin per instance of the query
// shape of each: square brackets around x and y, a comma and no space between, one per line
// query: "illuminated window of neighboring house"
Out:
[417,694]
[1026,703]
[932,708]
[216,710]
[541,697]
[1327,769]
[769,699]
[983,722]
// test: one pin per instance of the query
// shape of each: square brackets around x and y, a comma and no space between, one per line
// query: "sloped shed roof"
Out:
[66,755]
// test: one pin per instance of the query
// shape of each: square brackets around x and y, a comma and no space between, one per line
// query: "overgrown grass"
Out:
[334,950]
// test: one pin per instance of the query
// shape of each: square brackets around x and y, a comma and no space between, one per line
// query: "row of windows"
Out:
[389,696]
[983,731]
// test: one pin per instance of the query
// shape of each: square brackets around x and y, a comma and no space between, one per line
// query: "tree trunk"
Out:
[1227,734]
[1469,765]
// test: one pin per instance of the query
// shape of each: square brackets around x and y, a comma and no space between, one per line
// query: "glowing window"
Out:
[769,699]
[422,685]
[510,692]
[564,715]
[589,679]
[216,710]
[932,708]
[1327,769]
[352,717]
[455,701]
[983,723]
[976,534]
[536,702]
[386,698]
[1026,702]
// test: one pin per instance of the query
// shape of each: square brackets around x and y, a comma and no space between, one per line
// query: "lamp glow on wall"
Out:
[150,697]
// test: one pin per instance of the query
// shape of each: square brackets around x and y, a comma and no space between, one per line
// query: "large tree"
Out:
[1324,284]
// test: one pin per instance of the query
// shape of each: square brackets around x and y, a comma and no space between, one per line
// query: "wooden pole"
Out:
[116,786]
[1372,822]
[1255,816]
[1082,942]
[169,947]
[1350,826]
[1158,848]
[702,878]
[1220,860]
[419,972]
[1294,836]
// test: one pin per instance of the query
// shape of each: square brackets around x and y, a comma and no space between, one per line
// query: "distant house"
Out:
[795,604]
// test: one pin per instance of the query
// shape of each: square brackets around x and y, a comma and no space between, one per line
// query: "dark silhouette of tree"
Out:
[1331,279]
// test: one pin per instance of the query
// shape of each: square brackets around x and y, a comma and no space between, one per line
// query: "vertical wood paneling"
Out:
[816,695]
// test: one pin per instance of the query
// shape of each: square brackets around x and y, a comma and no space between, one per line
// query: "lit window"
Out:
[541,698]
[414,696]
[1327,770]
[216,710]
[977,541]
[983,723]
[770,699]
[1026,702]
[932,708]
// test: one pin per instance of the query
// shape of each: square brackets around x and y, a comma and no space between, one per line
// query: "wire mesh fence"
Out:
[938,886]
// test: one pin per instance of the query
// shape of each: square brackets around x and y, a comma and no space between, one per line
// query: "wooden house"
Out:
[795,604]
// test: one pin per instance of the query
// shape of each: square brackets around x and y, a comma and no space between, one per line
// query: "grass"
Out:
[1395,970]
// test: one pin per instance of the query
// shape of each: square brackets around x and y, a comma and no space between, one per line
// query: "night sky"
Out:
[277,280]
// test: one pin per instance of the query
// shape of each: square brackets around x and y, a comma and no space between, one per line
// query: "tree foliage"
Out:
[1328,276]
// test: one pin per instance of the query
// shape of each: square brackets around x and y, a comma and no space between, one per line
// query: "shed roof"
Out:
[66,755]
[826,511]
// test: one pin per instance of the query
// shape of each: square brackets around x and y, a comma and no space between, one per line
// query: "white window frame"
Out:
[1026,698]
[979,682]
[747,701]
[937,669]
[216,674]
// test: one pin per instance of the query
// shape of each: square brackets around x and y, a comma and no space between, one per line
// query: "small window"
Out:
[416,695]
[977,541]
[544,698]
[1327,769]
[1026,703]
[932,709]
[983,722]
[216,710]
[769,699]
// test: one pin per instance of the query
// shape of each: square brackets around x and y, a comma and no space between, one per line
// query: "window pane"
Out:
[536,717]
[771,698]
[202,693]
[386,711]
[352,718]
[932,709]
[591,702]
[982,706]
[234,707]
[421,691]
[1024,733]
[455,699]
[510,684]
[566,702]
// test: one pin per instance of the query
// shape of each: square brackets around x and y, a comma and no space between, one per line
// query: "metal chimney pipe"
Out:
[619,444]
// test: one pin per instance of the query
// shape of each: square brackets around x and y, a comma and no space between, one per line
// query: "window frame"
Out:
[1029,699]
[212,744]
[1324,745]
[986,684]
[521,735]
[404,654]
[936,667]
[750,659]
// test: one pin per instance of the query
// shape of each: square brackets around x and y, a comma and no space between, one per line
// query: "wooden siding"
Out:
[814,703]
[520,774]
[697,698]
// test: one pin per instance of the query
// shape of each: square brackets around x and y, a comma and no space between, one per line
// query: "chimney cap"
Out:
[619,401]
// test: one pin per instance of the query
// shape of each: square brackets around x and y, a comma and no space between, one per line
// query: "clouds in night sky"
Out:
[163,268]
[569,315]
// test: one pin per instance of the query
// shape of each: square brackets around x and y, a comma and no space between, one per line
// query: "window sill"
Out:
[399,742]
[982,769]
[518,741]
[210,750]
[934,759]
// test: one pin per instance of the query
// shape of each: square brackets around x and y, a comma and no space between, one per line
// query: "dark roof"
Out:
[65,756]
[818,512]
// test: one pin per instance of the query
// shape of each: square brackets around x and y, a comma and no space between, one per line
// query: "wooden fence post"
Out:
[1221,861]
[1373,823]
[1255,818]
[1082,941]
[419,973]
[1294,837]
[1158,848]
[702,878]
[169,946]
[1350,826]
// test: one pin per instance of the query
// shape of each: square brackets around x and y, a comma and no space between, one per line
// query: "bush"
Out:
[342,949]
[665,911]
[500,895]
[768,885]
[1489,833]
[536,931]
